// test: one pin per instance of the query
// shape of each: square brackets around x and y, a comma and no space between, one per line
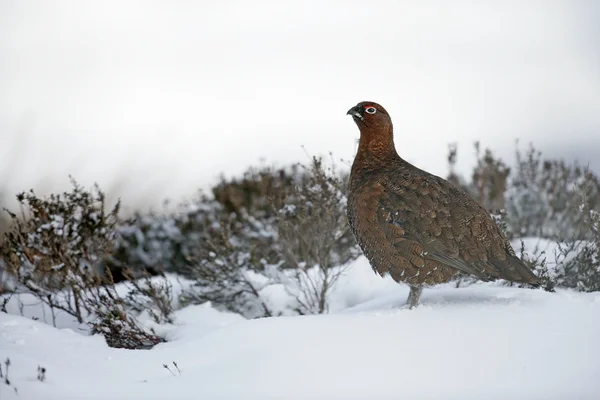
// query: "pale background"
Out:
[153,100]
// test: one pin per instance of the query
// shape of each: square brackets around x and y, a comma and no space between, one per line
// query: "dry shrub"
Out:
[227,268]
[57,251]
[315,241]
[547,199]
[112,318]
[59,243]
[220,250]
[285,227]
[256,191]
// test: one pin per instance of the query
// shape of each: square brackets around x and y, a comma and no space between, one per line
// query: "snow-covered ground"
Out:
[484,341]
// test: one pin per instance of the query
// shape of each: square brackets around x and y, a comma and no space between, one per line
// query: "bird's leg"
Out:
[413,296]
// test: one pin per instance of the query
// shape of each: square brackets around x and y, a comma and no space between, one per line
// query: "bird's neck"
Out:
[377,145]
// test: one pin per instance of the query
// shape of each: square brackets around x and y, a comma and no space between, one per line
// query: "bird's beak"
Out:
[356,113]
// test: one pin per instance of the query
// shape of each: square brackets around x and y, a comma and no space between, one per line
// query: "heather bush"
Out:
[57,250]
[110,317]
[545,197]
[59,244]
[315,242]
[221,251]
[285,227]
[226,269]
[542,198]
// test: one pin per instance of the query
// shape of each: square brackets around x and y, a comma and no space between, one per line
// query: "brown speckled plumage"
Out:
[416,226]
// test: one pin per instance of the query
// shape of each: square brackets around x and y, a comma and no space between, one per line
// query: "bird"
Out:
[415,226]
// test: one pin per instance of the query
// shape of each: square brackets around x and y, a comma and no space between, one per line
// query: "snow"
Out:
[480,341]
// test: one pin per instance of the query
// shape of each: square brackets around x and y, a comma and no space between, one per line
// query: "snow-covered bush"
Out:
[271,226]
[227,269]
[175,242]
[220,250]
[314,238]
[285,228]
[544,197]
[547,199]
[59,244]
[256,190]
[488,181]
[151,295]
[554,200]
[154,243]
[578,261]
[111,318]
[57,251]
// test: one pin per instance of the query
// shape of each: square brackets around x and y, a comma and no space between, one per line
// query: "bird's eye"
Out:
[370,110]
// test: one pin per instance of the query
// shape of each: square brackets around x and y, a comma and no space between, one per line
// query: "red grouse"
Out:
[416,226]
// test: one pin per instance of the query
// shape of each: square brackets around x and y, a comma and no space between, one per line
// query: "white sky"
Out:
[155,99]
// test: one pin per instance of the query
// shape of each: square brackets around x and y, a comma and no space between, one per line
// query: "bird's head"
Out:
[369,114]
[376,129]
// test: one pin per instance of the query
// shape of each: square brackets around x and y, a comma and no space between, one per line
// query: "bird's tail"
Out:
[514,270]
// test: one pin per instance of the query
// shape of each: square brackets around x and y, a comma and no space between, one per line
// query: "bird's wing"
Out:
[448,227]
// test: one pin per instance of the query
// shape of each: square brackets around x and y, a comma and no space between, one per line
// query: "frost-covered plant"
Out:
[59,244]
[578,261]
[150,243]
[226,269]
[549,199]
[539,197]
[256,190]
[154,296]
[291,229]
[171,242]
[315,241]
[559,201]
[112,319]
[537,261]
[57,251]
[488,181]
[543,198]
[227,275]
[220,250]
